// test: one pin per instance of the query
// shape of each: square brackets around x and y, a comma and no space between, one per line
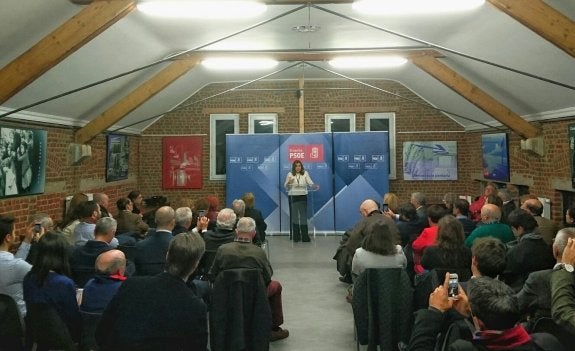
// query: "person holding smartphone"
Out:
[297,183]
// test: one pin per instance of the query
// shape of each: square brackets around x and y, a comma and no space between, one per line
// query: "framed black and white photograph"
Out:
[22,161]
[117,153]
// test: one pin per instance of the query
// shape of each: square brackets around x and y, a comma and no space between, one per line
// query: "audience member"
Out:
[379,249]
[84,257]
[495,200]
[563,289]
[48,281]
[529,253]
[89,215]
[241,253]
[545,227]
[72,217]
[137,198]
[508,204]
[427,236]
[150,206]
[488,257]
[408,224]
[392,201]
[103,200]
[199,209]
[99,291]
[570,217]
[252,212]
[213,208]
[224,232]
[490,216]
[491,306]
[535,296]
[13,267]
[183,220]
[159,312]
[239,207]
[418,200]
[461,212]
[150,256]
[128,222]
[46,224]
[448,250]
[449,201]
[476,206]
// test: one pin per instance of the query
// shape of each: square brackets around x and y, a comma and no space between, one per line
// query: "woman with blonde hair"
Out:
[392,202]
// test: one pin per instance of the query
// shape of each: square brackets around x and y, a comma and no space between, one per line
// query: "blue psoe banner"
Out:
[314,150]
[253,166]
[360,172]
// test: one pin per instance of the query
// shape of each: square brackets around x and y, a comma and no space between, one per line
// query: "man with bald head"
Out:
[490,216]
[150,256]
[110,269]
[370,213]
[545,227]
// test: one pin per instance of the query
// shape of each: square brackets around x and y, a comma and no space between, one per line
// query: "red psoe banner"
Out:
[182,162]
[306,153]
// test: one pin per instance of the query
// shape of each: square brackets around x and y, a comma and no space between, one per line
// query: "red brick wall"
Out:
[63,179]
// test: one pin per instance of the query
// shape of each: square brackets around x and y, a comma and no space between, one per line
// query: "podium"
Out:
[299,209]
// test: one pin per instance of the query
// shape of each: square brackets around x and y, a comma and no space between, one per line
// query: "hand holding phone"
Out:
[453,287]
[37,228]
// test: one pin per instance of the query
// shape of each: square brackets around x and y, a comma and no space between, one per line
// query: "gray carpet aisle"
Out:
[315,311]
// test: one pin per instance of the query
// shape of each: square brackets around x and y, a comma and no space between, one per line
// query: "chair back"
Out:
[382,308]
[206,263]
[89,324]
[240,315]
[47,329]
[11,331]
[547,325]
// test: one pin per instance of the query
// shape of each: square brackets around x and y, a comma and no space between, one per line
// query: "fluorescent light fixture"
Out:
[401,7]
[236,64]
[204,9]
[357,62]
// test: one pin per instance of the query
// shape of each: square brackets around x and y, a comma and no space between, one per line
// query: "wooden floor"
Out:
[315,310]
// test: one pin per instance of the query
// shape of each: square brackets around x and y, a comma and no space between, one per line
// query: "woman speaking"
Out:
[297,183]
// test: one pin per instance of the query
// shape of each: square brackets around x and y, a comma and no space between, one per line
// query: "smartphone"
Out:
[37,228]
[385,207]
[453,286]
[202,213]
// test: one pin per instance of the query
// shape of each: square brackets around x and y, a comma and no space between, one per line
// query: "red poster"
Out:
[182,162]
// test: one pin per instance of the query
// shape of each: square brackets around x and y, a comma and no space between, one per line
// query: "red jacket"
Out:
[425,239]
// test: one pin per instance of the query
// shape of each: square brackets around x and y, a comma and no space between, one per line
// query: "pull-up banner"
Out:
[348,167]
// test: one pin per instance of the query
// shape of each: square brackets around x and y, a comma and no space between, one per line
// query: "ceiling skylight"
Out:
[237,64]
[401,7]
[204,9]
[357,62]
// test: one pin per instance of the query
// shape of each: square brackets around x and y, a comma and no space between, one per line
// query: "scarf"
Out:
[502,339]
[117,277]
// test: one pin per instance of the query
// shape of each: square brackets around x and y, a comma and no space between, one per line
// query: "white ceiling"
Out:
[138,40]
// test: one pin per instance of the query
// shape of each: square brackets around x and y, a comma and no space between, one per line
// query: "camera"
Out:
[453,287]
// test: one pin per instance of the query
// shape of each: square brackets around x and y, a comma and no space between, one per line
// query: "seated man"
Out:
[150,254]
[110,269]
[224,231]
[242,253]
[490,216]
[494,312]
[159,312]
[129,222]
[488,258]
[84,257]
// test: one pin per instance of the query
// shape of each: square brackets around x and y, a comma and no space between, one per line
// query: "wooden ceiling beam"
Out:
[63,41]
[476,96]
[134,99]
[543,20]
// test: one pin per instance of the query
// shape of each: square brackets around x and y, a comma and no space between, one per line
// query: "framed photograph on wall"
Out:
[430,160]
[495,151]
[22,161]
[182,162]
[117,154]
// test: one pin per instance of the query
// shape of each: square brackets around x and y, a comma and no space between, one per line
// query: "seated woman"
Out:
[48,282]
[449,250]
[379,249]
[251,211]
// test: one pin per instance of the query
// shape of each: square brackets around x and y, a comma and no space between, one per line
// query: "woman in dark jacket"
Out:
[449,250]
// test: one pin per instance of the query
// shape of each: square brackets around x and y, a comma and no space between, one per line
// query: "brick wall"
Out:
[63,179]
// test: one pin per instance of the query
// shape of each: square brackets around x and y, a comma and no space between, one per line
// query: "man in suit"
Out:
[242,253]
[183,220]
[545,227]
[418,200]
[508,204]
[535,296]
[150,254]
[161,311]
[129,222]
[461,213]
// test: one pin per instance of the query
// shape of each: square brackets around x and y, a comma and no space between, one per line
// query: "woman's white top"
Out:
[366,259]
[299,185]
